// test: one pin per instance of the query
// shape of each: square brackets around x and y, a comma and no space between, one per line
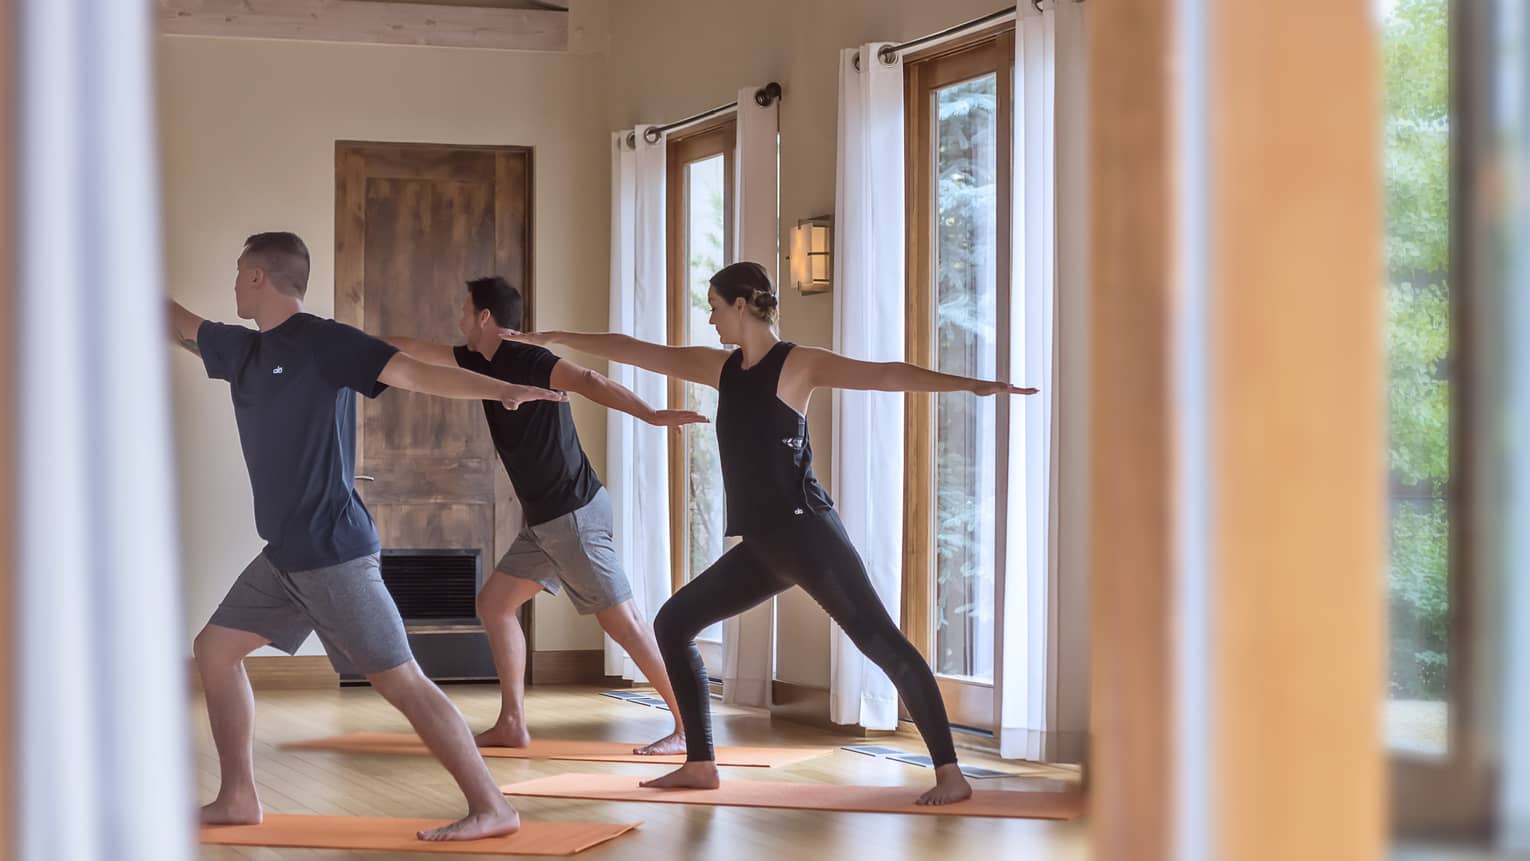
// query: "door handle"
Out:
[365,478]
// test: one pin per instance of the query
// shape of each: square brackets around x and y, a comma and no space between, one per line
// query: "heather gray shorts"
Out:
[347,604]
[574,551]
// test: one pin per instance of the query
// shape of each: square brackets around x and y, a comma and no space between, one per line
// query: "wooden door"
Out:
[413,223]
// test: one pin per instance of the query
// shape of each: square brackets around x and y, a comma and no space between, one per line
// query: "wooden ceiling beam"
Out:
[444,26]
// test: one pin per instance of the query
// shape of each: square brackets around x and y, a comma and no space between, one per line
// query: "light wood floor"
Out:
[344,784]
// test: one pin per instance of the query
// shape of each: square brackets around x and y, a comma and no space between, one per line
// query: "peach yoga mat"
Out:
[398,835]
[1002,803]
[586,751]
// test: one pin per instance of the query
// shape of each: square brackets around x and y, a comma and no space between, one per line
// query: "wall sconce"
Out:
[812,254]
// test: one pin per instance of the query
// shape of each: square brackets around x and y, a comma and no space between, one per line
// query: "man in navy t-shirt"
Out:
[294,383]
[567,543]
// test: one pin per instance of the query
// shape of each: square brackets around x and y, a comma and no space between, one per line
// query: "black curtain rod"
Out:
[764,97]
[888,53]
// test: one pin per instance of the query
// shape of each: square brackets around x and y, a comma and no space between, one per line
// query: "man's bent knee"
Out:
[400,682]
[216,646]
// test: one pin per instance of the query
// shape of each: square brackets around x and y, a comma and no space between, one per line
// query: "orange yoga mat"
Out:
[586,751]
[398,835]
[1000,803]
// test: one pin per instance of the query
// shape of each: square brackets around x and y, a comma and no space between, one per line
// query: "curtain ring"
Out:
[887,54]
[652,135]
[1037,4]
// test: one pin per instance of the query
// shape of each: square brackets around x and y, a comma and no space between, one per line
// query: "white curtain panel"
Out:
[101,732]
[749,639]
[869,324]
[1043,686]
[637,458]
[1069,445]
[1028,591]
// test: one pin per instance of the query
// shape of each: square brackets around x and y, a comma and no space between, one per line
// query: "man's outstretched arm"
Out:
[614,396]
[426,351]
[404,371]
[184,326]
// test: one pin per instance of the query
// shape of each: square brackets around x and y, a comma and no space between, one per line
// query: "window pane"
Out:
[705,228]
[1415,45]
[966,318]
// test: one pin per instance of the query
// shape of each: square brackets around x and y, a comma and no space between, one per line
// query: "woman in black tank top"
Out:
[791,534]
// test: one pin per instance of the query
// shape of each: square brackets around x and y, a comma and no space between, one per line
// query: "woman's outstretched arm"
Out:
[829,370]
[695,364]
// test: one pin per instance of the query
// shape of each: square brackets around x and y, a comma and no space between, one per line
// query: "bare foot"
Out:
[476,826]
[692,775]
[503,735]
[670,744]
[234,808]
[950,787]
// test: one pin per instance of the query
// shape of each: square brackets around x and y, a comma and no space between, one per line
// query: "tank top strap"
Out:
[731,368]
[770,367]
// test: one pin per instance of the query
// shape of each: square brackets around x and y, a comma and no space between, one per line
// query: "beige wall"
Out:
[247,132]
[672,58]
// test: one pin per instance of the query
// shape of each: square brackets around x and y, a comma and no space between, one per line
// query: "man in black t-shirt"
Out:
[294,381]
[567,541]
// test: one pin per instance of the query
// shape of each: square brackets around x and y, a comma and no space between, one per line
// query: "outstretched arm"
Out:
[404,371]
[184,326]
[694,364]
[426,351]
[830,370]
[614,396]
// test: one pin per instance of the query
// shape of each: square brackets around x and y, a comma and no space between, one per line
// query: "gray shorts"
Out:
[347,604]
[576,551]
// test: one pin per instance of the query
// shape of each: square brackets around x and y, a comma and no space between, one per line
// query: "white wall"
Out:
[248,129]
[672,58]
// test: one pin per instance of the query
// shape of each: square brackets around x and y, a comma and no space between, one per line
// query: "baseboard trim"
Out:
[808,705]
[282,673]
[568,667]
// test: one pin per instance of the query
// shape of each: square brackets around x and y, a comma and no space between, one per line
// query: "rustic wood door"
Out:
[412,224]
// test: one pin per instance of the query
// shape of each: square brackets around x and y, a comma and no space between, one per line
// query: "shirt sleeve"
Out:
[351,359]
[222,346]
[533,366]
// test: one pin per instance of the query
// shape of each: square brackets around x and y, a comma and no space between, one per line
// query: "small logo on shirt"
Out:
[278,369]
[792,442]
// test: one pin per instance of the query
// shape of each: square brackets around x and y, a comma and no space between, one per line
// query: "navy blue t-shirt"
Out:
[294,390]
[537,443]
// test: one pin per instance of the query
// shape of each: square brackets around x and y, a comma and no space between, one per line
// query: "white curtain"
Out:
[102,758]
[869,324]
[637,458]
[749,639]
[1043,678]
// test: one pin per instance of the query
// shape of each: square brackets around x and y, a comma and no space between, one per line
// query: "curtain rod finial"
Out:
[768,94]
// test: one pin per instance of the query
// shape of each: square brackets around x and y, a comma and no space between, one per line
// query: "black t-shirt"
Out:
[537,442]
[294,390]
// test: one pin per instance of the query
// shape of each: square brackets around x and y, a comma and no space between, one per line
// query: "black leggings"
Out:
[815,553]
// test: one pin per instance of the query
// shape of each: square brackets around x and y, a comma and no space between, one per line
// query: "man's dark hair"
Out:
[495,295]
[284,257]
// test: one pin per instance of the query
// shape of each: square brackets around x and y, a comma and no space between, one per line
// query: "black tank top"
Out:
[767,459]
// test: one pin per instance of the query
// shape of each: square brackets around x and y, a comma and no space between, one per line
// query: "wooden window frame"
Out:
[1455,793]
[969,703]
[718,137]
